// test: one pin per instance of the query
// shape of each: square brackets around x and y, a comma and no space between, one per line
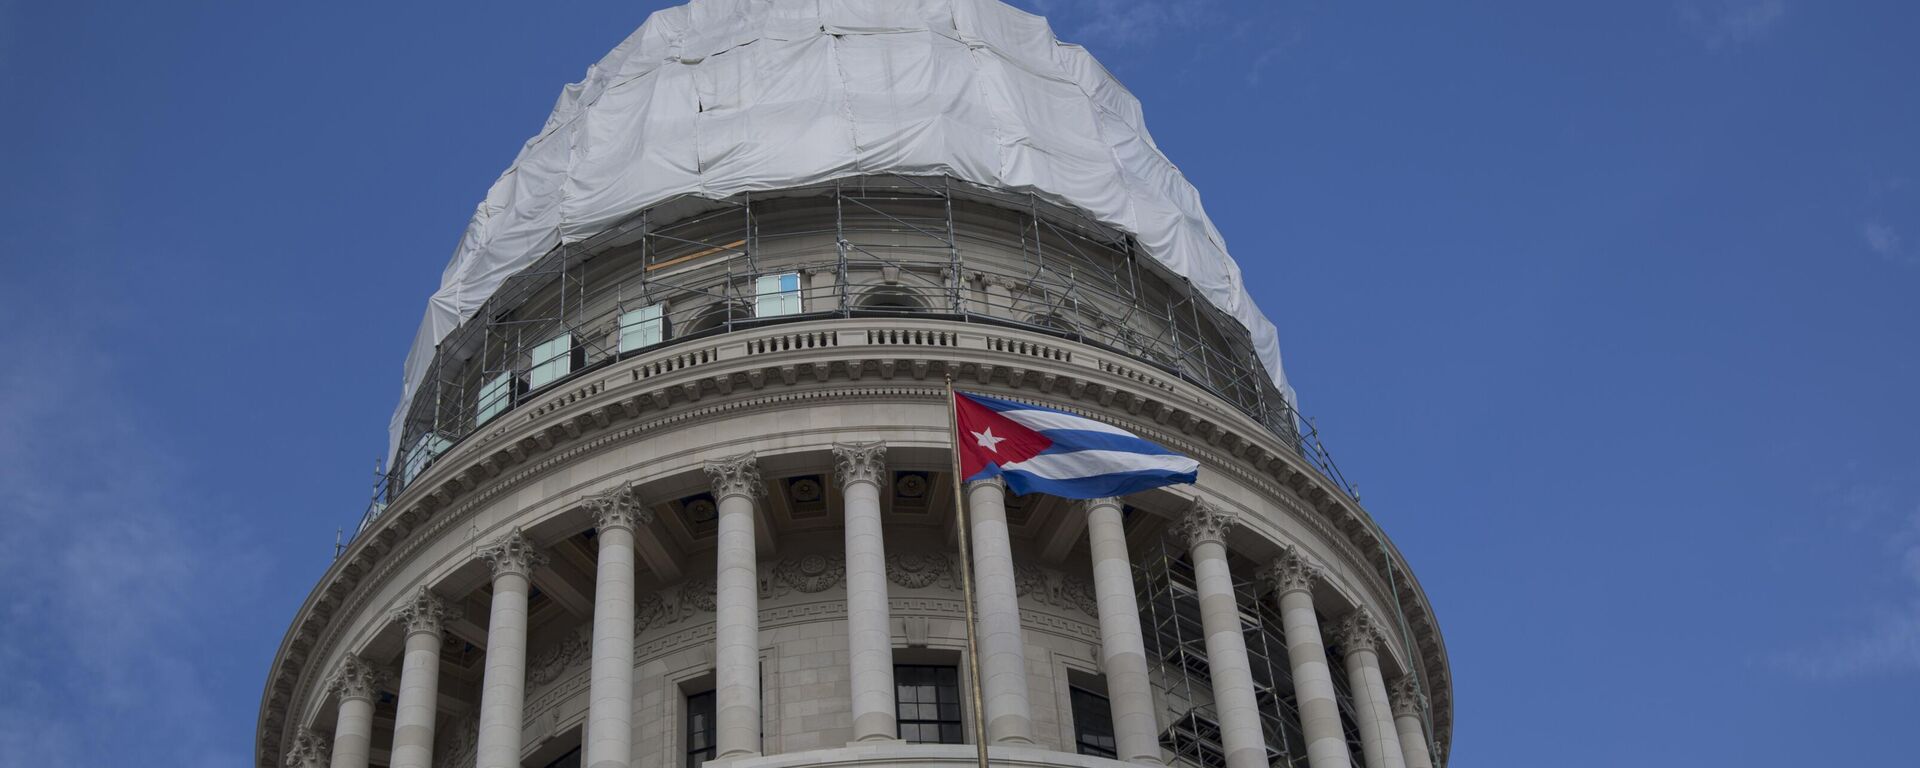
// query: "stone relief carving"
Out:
[511,553]
[860,463]
[1290,572]
[736,476]
[1406,697]
[1030,581]
[698,592]
[458,745]
[1359,632]
[355,679]
[807,573]
[919,570]
[1205,522]
[309,750]
[572,650]
[424,612]
[1077,593]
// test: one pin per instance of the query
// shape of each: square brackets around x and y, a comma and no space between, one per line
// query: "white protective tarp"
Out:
[726,96]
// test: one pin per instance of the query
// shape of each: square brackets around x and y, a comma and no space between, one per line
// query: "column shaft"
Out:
[1313,683]
[353,685]
[1413,740]
[1123,655]
[503,687]
[610,687]
[353,733]
[1232,673]
[419,700]
[737,631]
[1379,742]
[869,637]
[1003,657]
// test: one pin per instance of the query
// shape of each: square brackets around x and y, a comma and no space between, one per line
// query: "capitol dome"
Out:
[674,475]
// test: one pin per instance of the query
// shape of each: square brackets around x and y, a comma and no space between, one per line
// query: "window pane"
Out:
[642,328]
[700,728]
[494,398]
[928,703]
[777,295]
[1092,723]
[551,361]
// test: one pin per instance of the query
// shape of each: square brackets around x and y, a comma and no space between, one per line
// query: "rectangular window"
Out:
[568,760]
[928,698]
[494,398]
[701,731]
[551,361]
[642,328]
[776,295]
[1092,723]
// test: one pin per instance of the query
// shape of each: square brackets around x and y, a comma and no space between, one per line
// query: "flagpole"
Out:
[966,576]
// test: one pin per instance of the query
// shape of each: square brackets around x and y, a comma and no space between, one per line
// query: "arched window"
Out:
[715,316]
[892,299]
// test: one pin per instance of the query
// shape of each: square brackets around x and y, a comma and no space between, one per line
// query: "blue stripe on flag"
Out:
[1068,440]
[1097,486]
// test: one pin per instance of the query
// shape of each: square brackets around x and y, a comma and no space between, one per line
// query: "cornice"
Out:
[685,385]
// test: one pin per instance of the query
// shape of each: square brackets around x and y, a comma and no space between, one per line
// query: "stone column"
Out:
[1003,650]
[1292,579]
[1408,705]
[862,469]
[1123,654]
[1205,529]
[616,515]
[1379,743]
[309,750]
[354,684]
[419,701]
[736,632]
[503,688]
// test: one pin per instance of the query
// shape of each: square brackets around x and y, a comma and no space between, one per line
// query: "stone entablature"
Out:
[607,412]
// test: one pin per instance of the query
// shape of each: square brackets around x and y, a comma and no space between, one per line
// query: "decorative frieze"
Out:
[737,475]
[860,463]
[806,573]
[919,570]
[572,650]
[511,554]
[424,612]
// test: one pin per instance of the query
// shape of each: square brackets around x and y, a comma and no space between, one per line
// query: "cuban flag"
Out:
[1041,450]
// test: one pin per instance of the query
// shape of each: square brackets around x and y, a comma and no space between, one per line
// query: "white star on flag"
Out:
[988,441]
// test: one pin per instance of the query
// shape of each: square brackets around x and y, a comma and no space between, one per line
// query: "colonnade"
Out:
[1390,720]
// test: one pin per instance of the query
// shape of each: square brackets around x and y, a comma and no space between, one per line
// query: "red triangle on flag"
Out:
[988,439]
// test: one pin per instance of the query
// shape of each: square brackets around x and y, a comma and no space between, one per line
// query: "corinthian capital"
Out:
[736,476]
[309,750]
[618,508]
[1290,572]
[511,554]
[1205,522]
[424,611]
[1359,632]
[354,680]
[1406,697]
[860,463]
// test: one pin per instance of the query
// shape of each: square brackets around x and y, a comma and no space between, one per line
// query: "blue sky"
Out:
[1610,309]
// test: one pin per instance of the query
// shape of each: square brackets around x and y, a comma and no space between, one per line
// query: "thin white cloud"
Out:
[112,588]
[1887,641]
[1723,23]
[1884,241]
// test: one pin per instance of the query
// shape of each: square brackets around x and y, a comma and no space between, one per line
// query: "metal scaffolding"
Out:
[870,246]
[1177,658]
